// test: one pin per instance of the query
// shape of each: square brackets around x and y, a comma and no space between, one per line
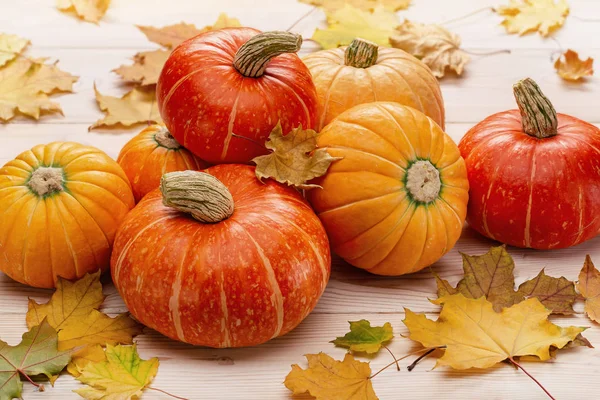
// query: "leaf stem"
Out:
[399,359]
[414,364]
[516,364]
[491,53]
[167,393]
[301,19]
[393,356]
[37,385]
[467,16]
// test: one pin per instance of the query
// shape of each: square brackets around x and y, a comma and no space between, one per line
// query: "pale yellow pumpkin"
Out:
[363,73]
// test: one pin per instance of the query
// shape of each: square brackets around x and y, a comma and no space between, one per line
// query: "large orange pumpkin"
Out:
[152,153]
[363,73]
[247,266]
[397,200]
[60,207]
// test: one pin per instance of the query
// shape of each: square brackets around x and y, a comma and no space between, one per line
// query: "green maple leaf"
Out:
[37,354]
[365,338]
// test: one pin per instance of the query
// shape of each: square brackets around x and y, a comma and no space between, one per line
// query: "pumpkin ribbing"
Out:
[538,114]
[253,56]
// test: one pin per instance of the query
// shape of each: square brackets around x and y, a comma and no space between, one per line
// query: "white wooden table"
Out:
[92,51]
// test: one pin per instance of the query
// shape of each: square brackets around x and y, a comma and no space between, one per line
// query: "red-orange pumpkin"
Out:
[534,175]
[222,92]
[252,270]
[151,154]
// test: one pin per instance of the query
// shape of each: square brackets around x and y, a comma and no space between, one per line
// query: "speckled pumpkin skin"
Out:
[240,282]
[222,116]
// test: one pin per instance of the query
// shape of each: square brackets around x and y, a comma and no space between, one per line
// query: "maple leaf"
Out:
[365,5]
[476,336]
[557,294]
[134,107]
[146,67]
[330,379]
[172,36]
[365,338]
[81,358]
[37,354]
[25,85]
[432,44]
[88,10]
[573,68]
[524,16]
[124,375]
[290,162]
[350,22]
[589,287]
[10,47]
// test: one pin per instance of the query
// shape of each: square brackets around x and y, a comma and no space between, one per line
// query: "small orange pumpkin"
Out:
[60,207]
[152,153]
[363,73]
[397,200]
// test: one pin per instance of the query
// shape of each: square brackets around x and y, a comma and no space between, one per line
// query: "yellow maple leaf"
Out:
[290,161]
[589,287]
[476,336]
[88,10]
[573,68]
[146,68]
[432,44]
[366,5]
[81,358]
[330,379]
[25,85]
[134,107]
[172,35]
[10,47]
[350,22]
[124,375]
[524,16]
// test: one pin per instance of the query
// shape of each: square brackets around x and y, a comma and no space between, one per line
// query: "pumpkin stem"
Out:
[538,115]
[200,194]
[164,138]
[423,181]
[361,53]
[253,56]
[46,180]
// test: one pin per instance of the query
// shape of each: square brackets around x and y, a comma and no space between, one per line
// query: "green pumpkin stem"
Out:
[253,56]
[361,53]
[538,115]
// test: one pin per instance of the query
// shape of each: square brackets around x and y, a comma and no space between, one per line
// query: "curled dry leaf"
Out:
[365,338]
[135,107]
[329,379]
[557,294]
[88,10]
[350,22]
[25,85]
[365,5]
[37,354]
[589,287]
[146,67]
[570,67]
[10,47]
[432,44]
[476,336]
[295,158]
[524,16]
[124,375]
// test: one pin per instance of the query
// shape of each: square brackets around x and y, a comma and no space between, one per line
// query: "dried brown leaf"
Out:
[146,67]
[88,10]
[571,68]
[135,107]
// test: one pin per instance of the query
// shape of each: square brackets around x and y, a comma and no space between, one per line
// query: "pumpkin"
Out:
[152,153]
[397,200]
[363,73]
[60,207]
[221,93]
[219,259]
[535,174]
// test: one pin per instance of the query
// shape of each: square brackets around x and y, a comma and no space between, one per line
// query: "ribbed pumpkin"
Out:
[60,207]
[152,153]
[363,73]
[248,265]
[397,200]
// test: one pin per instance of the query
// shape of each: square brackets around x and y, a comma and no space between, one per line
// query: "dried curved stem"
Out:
[516,364]
[467,15]
[167,393]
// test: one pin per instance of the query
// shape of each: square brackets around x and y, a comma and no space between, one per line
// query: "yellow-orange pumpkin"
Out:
[363,73]
[151,154]
[397,200]
[60,207]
